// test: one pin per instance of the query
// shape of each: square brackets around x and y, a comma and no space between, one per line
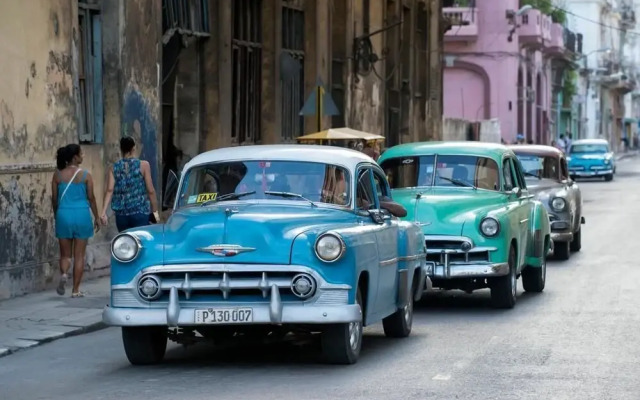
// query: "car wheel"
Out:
[576,243]
[504,289]
[341,343]
[608,178]
[398,324]
[561,250]
[144,345]
[534,278]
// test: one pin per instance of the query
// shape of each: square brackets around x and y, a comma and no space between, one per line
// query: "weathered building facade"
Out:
[185,76]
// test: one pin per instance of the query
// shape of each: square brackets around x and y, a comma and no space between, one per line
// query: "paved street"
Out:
[577,340]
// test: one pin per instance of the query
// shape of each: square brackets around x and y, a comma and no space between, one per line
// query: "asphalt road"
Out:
[580,339]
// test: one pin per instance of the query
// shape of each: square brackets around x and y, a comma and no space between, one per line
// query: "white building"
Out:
[607,67]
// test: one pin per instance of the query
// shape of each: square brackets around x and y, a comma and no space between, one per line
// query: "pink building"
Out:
[498,65]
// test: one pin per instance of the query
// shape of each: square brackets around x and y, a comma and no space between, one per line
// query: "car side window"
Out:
[509,180]
[365,194]
[564,171]
[522,183]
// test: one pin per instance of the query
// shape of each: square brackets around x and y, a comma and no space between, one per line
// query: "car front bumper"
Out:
[466,270]
[180,283]
[585,173]
[273,313]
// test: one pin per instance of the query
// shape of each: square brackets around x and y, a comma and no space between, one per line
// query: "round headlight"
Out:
[489,227]
[125,248]
[558,204]
[149,287]
[329,247]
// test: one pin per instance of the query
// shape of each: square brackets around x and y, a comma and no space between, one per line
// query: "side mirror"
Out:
[517,192]
[376,216]
[568,182]
[394,208]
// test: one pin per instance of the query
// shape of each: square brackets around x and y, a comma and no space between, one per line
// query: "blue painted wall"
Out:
[137,109]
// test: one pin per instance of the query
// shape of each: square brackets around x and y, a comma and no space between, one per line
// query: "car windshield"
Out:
[450,170]
[281,180]
[539,166]
[589,148]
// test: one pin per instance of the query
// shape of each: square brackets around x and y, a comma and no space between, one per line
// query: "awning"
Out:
[341,134]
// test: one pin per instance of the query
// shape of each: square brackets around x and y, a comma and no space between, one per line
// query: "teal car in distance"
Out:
[483,229]
[591,158]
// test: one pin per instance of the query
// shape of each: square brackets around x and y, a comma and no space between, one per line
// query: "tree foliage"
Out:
[557,14]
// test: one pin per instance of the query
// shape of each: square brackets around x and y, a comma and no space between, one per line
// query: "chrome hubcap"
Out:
[355,329]
[513,284]
[407,311]
[544,270]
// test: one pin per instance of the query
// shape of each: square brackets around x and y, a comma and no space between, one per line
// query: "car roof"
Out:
[493,150]
[589,141]
[284,152]
[536,149]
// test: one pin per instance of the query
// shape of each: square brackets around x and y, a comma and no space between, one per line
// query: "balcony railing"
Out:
[535,28]
[464,21]
[627,18]
[557,36]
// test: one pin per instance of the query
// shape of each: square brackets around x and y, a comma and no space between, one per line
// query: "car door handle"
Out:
[524,220]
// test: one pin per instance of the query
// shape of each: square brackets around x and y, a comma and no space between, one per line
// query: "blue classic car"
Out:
[267,240]
[590,158]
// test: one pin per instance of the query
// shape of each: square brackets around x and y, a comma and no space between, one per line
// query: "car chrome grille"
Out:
[224,286]
[445,250]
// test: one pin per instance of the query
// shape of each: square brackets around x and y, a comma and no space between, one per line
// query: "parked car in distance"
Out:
[482,227]
[265,240]
[547,176]
[590,158]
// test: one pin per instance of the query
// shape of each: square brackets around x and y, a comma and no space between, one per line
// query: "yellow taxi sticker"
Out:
[202,197]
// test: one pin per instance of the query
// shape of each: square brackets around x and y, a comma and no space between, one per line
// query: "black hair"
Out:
[65,154]
[126,144]
[62,158]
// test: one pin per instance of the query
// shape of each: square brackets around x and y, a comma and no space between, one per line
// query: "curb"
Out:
[76,332]
[627,155]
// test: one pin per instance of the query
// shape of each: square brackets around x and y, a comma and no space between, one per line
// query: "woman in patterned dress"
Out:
[130,190]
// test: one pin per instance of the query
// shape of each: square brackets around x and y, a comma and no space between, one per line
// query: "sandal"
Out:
[77,294]
[63,281]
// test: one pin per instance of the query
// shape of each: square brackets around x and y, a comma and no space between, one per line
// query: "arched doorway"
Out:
[467,92]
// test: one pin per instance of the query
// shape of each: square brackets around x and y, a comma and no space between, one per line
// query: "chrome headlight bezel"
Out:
[558,207]
[137,246]
[486,232]
[321,251]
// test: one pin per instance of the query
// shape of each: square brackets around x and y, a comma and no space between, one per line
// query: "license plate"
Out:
[224,316]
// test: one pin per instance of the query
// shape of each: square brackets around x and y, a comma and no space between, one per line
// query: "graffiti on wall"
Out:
[139,122]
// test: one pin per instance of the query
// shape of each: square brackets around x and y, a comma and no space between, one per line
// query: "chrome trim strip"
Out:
[464,270]
[392,261]
[403,258]
[524,220]
[448,238]
[460,251]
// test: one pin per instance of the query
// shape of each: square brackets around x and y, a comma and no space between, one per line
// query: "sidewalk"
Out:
[628,154]
[38,318]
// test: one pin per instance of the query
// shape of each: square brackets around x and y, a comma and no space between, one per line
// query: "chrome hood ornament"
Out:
[225,250]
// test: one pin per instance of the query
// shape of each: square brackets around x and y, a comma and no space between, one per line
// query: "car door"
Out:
[573,194]
[387,238]
[519,216]
[526,210]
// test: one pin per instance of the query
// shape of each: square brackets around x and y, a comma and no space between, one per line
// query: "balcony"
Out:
[627,18]
[465,24]
[535,29]
[556,46]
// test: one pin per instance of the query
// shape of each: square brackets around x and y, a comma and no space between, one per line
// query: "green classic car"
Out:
[482,227]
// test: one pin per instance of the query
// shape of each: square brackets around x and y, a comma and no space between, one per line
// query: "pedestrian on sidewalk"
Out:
[72,198]
[130,190]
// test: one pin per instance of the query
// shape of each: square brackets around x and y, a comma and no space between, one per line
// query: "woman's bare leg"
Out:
[79,250]
[65,263]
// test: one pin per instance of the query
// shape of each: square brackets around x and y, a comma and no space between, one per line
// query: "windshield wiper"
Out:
[532,174]
[228,196]
[458,182]
[290,195]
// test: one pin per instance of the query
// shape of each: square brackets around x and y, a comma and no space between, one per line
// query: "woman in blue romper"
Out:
[72,197]
[130,190]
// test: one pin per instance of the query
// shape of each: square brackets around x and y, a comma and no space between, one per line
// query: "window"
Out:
[380,186]
[510,181]
[535,166]
[365,196]
[90,119]
[293,72]
[247,72]
[564,171]
[317,182]
[522,183]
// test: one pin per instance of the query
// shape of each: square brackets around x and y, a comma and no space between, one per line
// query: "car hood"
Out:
[444,211]
[588,156]
[267,231]
[544,189]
